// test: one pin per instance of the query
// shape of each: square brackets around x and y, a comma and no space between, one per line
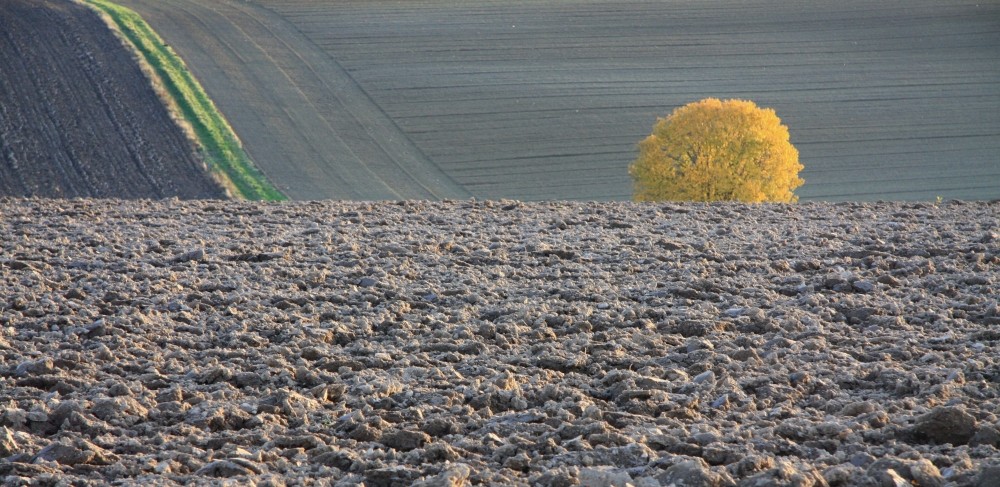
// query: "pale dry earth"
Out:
[78,118]
[499,343]
[546,99]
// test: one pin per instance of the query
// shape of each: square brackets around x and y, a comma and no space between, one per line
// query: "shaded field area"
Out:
[533,100]
[499,343]
[78,118]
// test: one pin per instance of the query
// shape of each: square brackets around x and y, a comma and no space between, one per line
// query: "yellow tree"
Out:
[713,150]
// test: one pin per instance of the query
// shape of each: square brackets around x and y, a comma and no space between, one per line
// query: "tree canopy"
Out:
[713,150]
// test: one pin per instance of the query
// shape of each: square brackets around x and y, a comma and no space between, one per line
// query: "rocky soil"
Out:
[499,343]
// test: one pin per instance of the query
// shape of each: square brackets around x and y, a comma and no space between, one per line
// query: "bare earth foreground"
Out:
[499,343]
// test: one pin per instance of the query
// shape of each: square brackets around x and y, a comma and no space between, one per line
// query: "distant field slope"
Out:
[546,99]
[78,117]
[304,121]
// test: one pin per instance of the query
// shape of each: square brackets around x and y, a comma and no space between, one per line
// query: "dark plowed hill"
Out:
[79,118]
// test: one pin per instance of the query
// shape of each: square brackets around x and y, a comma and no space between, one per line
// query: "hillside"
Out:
[77,116]
[305,122]
[531,99]
[499,343]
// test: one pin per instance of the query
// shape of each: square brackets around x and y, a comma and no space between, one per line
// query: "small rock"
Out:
[79,452]
[440,452]
[75,293]
[863,286]
[799,378]
[558,477]
[721,402]
[404,440]
[38,416]
[947,425]
[364,432]
[857,408]
[705,438]
[367,282]
[20,265]
[342,460]
[223,468]
[705,377]
[389,477]
[891,472]
[671,245]
[691,472]
[306,441]
[604,477]
[196,254]
[986,435]
[455,476]
[888,280]
[839,475]
[862,459]
[752,464]
[890,478]
[64,454]
[695,344]
[96,329]
[989,476]
[440,427]
[787,474]
[8,446]
[925,474]
[520,462]
[248,379]
[34,367]
[627,456]
[119,389]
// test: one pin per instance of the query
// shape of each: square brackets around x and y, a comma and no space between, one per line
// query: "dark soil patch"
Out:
[78,118]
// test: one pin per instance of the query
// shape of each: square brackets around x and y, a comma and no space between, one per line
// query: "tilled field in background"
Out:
[546,99]
[77,116]
[499,343]
[306,123]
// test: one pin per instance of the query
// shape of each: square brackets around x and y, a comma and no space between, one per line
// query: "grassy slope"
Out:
[221,148]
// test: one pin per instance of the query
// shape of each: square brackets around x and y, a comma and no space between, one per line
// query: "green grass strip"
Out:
[220,147]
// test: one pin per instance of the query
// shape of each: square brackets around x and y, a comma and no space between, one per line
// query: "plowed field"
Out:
[78,117]
[546,99]
[466,343]
[308,126]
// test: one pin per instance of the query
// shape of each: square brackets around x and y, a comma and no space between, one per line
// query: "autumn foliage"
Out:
[714,150]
